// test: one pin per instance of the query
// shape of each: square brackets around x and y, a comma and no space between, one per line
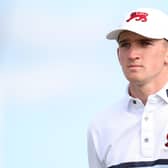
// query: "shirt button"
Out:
[146,140]
[146,118]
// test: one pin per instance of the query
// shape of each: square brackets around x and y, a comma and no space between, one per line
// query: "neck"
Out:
[142,91]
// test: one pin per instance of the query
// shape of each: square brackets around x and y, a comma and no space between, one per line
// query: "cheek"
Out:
[120,57]
[161,56]
[122,60]
[155,64]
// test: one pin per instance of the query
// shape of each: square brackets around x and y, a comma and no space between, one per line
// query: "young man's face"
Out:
[142,59]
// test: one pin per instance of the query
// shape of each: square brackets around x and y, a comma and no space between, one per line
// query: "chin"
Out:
[135,80]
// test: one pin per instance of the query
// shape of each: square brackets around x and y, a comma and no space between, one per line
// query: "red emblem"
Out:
[166,144]
[138,16]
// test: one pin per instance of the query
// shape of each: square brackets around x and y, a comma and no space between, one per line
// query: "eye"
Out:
[145,43]
[124,44]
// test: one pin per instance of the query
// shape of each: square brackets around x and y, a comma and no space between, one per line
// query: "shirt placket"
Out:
[147,133]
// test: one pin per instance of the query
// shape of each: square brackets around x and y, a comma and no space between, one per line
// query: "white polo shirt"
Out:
[130,134]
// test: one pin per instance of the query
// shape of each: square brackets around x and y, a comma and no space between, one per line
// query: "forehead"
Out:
[131,35]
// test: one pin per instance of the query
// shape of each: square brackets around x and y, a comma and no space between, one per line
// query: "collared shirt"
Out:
[130,134]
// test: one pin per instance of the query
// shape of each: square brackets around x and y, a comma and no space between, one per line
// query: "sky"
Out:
[57,71]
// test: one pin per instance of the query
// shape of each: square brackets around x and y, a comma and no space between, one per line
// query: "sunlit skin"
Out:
[144,62]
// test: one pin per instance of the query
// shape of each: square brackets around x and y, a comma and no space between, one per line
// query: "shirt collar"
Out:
[162,94]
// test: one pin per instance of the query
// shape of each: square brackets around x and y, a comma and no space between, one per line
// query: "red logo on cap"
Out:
[138,16]
[166,144]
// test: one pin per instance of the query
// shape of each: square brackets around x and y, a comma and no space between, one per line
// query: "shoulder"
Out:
[102,128]
[109,117]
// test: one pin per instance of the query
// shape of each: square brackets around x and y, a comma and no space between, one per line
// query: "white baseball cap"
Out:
[150,23]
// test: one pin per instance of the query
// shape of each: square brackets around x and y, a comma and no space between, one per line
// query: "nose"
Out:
[133,52]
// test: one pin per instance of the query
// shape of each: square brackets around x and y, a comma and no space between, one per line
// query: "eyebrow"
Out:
[141,39]
[122,41]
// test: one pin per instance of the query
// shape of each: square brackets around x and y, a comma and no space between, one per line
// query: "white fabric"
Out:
[130,132]
[151,23]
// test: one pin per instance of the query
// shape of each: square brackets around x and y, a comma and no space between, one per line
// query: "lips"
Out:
[130,66]
[134,66]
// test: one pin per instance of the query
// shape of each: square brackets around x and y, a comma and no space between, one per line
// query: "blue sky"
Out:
[57,71]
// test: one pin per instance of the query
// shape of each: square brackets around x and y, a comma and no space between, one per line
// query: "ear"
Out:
[166,57]
[118,54]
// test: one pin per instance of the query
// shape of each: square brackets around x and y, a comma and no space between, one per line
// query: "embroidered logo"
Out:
[138,16]
[166,143]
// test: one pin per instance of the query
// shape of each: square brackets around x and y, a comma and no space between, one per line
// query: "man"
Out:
[134,132]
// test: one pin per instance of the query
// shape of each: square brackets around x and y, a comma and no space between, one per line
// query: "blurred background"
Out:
[57,71]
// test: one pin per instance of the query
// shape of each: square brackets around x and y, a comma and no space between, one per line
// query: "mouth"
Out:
[135,67]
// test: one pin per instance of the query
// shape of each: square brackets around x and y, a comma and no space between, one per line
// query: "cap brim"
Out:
[113,35]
